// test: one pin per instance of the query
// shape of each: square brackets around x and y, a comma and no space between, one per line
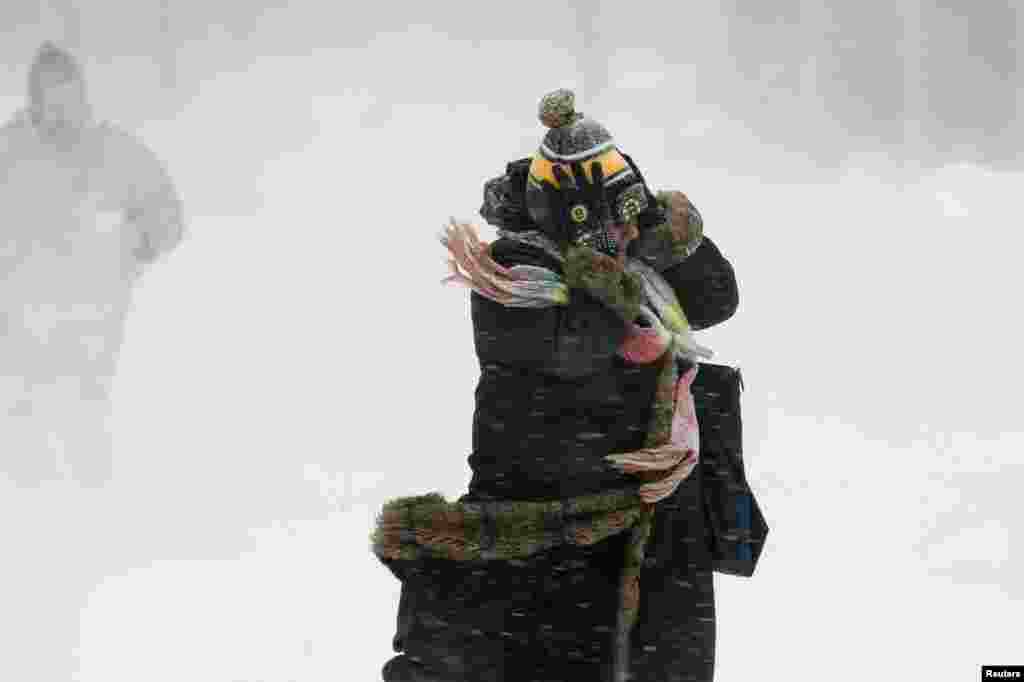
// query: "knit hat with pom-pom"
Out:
[574,137]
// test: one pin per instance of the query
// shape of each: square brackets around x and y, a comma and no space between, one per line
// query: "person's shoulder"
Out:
[117,137]
[122,142]
[126,152]
[17,126]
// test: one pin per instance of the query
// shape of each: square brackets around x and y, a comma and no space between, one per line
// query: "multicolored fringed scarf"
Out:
[421,526]
[530,286]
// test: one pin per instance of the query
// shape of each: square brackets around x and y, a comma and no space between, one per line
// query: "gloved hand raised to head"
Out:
[580,209]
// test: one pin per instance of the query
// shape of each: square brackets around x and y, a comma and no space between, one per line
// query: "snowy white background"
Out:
[295,363]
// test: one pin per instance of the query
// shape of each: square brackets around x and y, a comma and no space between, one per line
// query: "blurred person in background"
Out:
[84,208]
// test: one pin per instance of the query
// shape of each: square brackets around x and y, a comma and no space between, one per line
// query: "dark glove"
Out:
[581,210]
[654,214]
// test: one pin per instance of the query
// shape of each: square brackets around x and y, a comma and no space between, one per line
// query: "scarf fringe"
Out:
[519,286]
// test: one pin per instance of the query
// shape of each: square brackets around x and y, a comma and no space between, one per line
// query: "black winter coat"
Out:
[553,399]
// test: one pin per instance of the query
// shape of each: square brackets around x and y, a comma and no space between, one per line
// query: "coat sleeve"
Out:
[567,342]
[705,284]
[690,261]
[151,202]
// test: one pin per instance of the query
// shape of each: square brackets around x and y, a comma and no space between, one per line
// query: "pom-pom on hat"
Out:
[574,137]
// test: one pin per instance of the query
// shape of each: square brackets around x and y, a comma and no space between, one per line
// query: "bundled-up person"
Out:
[85,208]
[580,551]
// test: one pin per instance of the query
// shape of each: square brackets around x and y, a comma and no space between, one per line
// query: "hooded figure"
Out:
[86,207]
[559,564]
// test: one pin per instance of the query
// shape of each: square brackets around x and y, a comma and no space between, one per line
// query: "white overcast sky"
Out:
[296,363]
